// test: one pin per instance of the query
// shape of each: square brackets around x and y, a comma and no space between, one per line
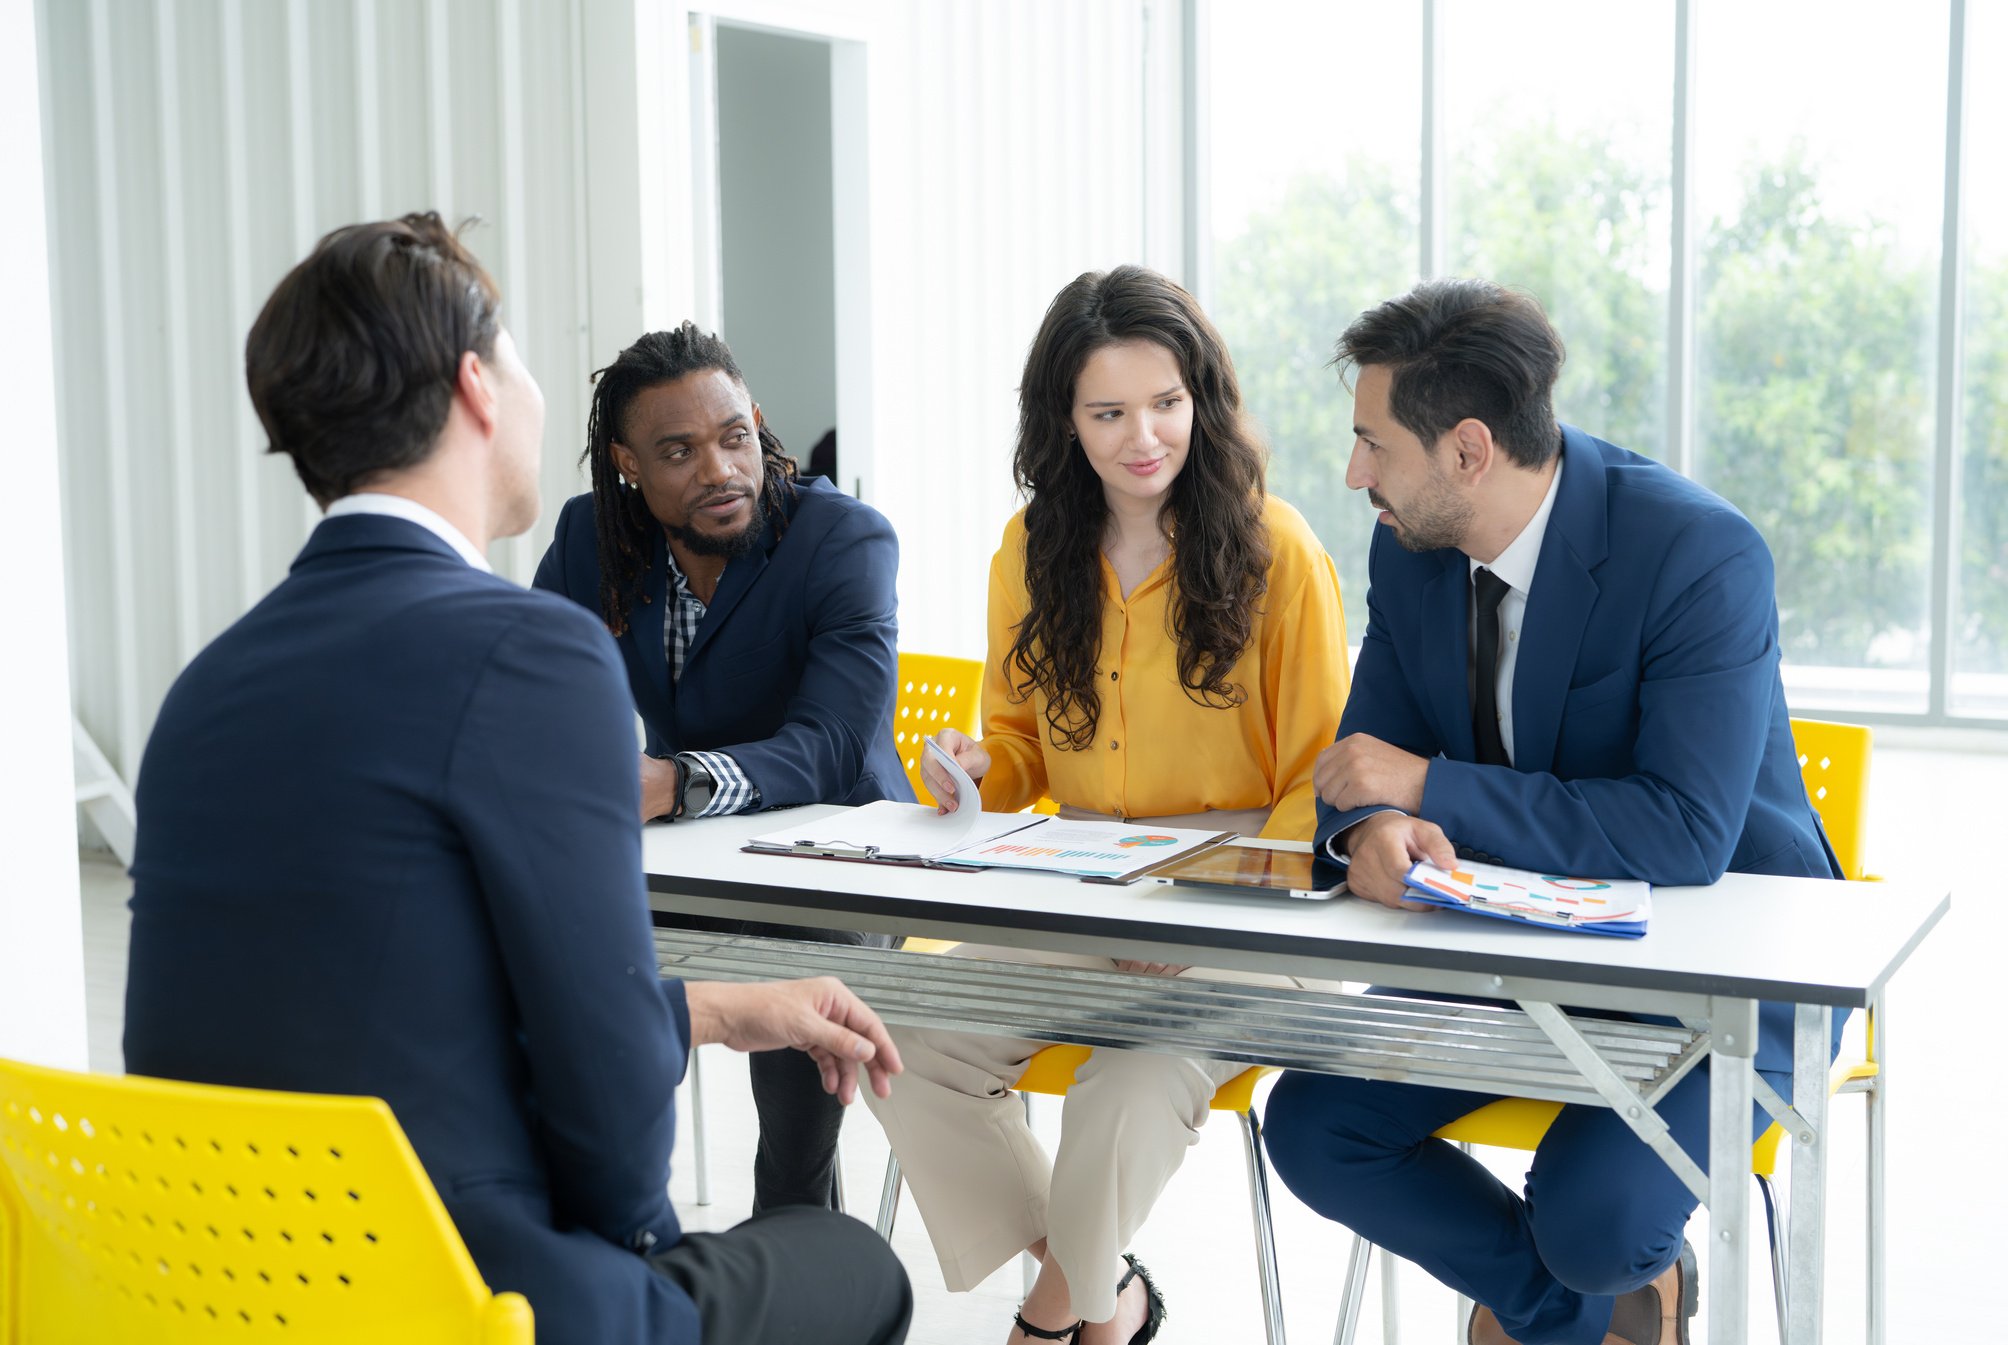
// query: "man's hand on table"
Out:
[1384,847]
[1361,771]
[658,786]
[819,1015]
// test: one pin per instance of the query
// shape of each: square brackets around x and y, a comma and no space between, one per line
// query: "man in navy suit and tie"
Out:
[1570,664]
[756,616]
[389,845]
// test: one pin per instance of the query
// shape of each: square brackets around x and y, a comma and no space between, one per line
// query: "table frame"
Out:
[706,880]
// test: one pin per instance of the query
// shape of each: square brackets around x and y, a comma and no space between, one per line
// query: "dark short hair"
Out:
[1465,350]
[353,359]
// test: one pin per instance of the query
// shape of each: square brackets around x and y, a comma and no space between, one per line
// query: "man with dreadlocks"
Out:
[755,612]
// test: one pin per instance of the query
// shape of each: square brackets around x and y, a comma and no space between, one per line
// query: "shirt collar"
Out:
[411,511]
[1516,563]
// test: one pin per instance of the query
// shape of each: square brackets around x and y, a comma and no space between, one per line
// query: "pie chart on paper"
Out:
[1143,839]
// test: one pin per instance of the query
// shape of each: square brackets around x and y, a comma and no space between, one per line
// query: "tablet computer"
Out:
[1240,867]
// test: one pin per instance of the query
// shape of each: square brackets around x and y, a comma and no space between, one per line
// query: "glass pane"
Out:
[1561,187]
[1313,136]
[1980,621]
[1819,195]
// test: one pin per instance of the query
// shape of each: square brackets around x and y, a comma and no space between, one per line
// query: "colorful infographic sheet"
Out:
[1617,906]
[1086,849]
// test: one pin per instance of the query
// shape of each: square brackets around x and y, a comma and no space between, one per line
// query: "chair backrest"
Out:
[935,692]
[1834,759]
[168,1212]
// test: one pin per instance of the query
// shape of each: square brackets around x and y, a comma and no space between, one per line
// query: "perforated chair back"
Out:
[1834,761]
[138,1209]
[935,692]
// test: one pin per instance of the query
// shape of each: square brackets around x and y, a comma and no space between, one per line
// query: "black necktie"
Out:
[1485,693]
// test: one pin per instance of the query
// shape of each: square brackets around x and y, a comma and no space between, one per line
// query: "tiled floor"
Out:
[1931,818]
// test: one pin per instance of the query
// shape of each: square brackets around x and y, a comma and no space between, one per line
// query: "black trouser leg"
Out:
[797,1156]
[799,1122]
[793,1277]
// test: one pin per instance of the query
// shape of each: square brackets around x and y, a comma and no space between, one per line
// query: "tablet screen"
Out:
[1278,871]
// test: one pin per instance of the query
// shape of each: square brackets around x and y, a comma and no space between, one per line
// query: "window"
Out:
[1813,211]
[1314,184]
[1980,611]
[1561,187]
[1817,218]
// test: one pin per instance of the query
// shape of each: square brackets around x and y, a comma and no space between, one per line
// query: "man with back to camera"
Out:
[388,845]
[1570,664]
[757,618]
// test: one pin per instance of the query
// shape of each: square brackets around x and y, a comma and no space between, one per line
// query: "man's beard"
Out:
[730,544]
[1432,522]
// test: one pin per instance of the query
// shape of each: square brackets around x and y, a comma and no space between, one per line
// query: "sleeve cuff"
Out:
[735,792]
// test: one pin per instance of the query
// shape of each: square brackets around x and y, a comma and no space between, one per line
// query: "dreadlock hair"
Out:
[1213,511]
[621,519]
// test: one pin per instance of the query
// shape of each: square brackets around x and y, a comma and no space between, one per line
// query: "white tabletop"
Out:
[1747,936]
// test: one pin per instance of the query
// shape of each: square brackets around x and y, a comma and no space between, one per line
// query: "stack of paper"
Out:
[1620,906]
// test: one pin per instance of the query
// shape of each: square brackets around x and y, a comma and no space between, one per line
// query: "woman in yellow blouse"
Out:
[1166,645]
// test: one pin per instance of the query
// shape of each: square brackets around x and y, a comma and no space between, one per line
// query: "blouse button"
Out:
[1114,675]
[1113,744]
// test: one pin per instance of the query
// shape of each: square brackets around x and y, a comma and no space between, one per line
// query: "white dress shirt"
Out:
[1515,565]
[411,511]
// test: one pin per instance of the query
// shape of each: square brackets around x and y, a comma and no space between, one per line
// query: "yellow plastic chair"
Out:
[935,692]
[137,1209]
[1834,762]
[1051,1072]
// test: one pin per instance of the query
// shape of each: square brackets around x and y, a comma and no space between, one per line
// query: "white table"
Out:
[1712,954]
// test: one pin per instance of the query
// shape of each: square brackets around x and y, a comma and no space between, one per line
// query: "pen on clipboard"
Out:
[836,849]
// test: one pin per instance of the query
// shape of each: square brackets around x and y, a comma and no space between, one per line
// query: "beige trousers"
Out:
[983,1183]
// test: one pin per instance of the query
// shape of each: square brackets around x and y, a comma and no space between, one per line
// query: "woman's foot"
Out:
[1045,1309]
[1132,1311]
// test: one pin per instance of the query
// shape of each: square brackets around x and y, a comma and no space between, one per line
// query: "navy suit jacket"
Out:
[387,846]
[1650,734]
[793,668]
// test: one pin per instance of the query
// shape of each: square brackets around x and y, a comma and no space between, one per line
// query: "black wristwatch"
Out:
[694,786]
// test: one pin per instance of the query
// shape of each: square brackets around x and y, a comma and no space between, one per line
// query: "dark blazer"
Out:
[1650,734]
[387,846]
[793,667]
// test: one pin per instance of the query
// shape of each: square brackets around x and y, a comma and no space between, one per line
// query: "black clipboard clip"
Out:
[833,850]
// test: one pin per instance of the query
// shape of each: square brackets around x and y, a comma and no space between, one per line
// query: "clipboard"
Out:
[858,854]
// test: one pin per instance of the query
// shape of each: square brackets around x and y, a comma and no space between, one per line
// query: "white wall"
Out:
[202,145]
[41,928]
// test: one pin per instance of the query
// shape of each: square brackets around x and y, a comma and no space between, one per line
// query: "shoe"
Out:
[1638,1315]
[1154,1313]
[1066,1333]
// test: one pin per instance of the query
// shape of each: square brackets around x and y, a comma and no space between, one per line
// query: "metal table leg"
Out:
[1806,1246]
[1731,1095]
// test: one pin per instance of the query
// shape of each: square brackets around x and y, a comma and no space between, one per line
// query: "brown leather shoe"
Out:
[1648,1315]
[1660,1311]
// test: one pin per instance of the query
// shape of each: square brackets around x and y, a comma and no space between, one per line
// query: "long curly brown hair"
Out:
[1213,512]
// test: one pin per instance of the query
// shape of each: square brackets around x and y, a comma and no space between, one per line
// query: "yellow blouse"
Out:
[1156,750]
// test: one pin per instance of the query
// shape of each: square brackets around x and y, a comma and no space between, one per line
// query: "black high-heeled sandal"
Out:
[1069,1334]
[1154,1309]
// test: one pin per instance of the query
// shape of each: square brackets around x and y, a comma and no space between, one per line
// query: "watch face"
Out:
[698,787]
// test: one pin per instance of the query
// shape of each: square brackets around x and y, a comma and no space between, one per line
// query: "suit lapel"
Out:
[740,574]
[1558,610]
[645,621]
[1446,607]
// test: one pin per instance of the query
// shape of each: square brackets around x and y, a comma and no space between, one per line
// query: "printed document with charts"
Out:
[1619,906]
[887,832]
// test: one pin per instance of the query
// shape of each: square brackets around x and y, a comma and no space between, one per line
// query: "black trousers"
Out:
[796,1161]
[793,1277]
